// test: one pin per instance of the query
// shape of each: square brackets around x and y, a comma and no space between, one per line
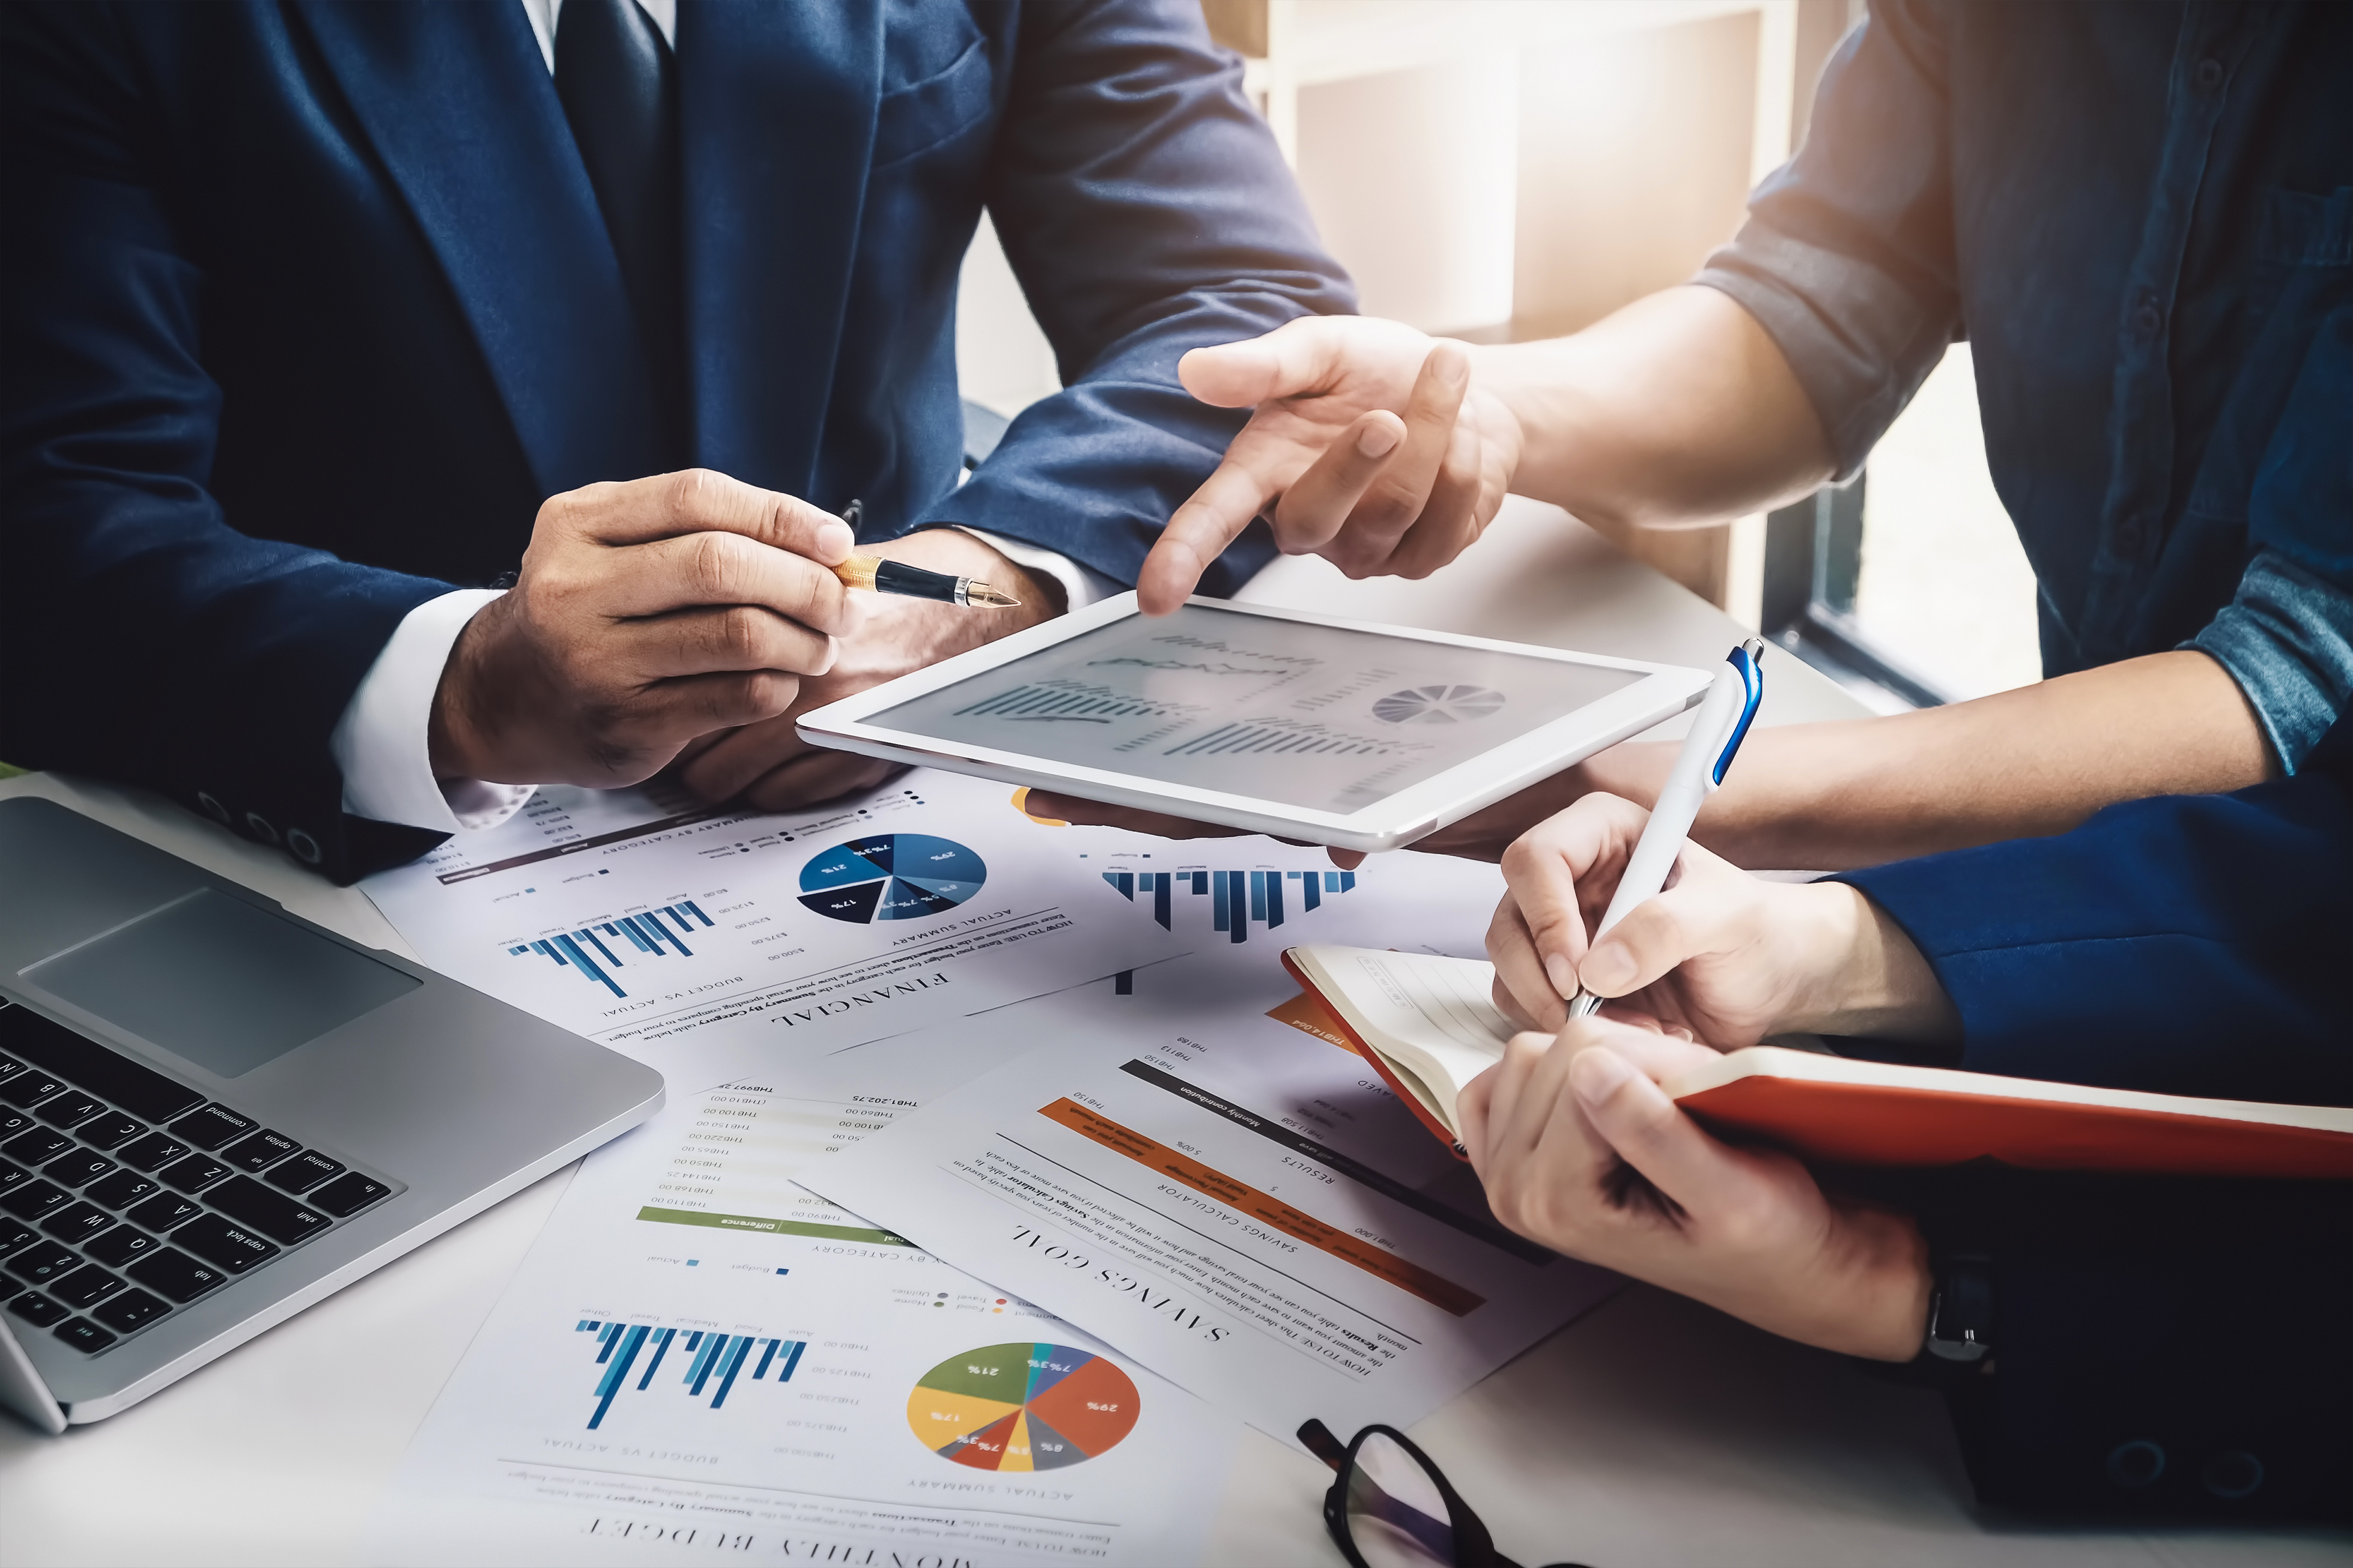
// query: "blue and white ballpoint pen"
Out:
[1724,715]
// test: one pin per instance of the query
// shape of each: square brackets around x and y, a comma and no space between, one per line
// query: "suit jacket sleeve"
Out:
[2160,1346]
[2122,952]
[135,599]
[1144,207]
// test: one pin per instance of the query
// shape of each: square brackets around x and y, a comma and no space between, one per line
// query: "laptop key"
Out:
[12,1176]
[123,1244]
[192,1174]
[259,1152]
[77,1169]
[9,1068]
[14,1121]
[303,1172]
[27,1089]
[164,1211]
[38,1147]
[15,1237]
[273,1214]
[110,1075]
[86,1287]
[34,1199]
[37,1308]
[70,1109]
[176,1275]
[40,1264]
[210,1126]
[154,1151]
[77,1222]
[122,1189]
[348,1193]
[83,1335]
[132,1311]
[110,1128]
[215,1240]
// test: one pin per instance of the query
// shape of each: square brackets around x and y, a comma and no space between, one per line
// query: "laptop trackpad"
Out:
[215,980]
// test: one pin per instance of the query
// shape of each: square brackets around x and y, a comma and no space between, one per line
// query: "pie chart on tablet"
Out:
[1022,1408]
[1438,705]
[890,877]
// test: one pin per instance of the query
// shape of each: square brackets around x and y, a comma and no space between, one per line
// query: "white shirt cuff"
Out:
[1082,586]
[382,743]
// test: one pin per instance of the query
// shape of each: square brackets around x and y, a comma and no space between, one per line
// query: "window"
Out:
[1910,579]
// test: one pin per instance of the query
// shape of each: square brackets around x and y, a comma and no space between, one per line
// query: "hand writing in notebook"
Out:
[1720,953]
[1556,1131]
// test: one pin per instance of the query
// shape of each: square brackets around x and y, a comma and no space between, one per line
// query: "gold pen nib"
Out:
[979,596]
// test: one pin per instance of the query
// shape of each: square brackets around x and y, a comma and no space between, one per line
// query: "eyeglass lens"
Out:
[1397,1516]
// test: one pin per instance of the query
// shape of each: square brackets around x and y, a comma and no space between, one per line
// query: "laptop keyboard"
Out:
[124,1195]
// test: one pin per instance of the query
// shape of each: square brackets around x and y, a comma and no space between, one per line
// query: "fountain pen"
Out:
[881,576]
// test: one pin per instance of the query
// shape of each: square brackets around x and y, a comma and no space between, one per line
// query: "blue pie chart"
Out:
[891,876]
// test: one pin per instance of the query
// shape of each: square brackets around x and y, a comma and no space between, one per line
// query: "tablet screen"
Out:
[1322,717]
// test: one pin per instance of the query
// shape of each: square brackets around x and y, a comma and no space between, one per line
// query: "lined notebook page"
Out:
[1440,1006]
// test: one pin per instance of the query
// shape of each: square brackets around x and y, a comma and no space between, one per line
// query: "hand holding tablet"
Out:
[1266,721]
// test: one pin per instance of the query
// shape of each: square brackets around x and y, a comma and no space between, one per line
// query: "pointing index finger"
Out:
[1197,534]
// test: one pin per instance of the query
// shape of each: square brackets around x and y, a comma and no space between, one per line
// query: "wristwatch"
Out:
[1960,1310]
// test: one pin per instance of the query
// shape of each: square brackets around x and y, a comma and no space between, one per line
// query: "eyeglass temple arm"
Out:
[1319,1441]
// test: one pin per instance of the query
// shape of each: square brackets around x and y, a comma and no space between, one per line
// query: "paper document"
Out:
[699,1359]
[703,941]
[1236,1201]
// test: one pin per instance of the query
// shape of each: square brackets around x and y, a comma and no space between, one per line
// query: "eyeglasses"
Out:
[1391,1508]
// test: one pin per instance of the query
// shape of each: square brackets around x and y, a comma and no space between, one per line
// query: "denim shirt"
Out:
[2140,216]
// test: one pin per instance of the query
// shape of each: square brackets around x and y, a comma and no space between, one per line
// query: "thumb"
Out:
[1298,356]
[1697,916]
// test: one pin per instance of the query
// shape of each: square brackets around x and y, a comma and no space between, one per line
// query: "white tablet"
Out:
[1365,737]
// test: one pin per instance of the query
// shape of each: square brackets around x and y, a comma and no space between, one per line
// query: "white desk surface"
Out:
[1652,1432]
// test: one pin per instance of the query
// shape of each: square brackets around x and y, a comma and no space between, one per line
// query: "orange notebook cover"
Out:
[1842,1110]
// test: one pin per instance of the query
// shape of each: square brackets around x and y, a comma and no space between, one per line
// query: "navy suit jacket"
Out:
[305,308]
[2197,945]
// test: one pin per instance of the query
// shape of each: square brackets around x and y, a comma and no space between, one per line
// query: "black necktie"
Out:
[613,75]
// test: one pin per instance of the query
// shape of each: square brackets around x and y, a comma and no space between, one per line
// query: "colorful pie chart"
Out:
[1022,1408]
[890,877]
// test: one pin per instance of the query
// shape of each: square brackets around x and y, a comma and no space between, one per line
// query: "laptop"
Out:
[214,1113]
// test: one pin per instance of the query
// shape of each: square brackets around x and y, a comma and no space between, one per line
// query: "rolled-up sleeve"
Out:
[1847,258]
[2287,635]
[2287,640]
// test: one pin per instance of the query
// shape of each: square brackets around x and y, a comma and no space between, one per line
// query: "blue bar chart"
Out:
[712,1362]
[1238,899]
[648,933]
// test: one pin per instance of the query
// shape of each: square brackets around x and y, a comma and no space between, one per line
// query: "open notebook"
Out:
[1430,1026]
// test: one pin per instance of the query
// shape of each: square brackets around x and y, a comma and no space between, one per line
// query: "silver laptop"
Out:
[214,1113]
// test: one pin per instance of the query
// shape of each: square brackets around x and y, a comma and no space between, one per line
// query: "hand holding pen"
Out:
[1545,940]
[877,574]
[1725,716]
